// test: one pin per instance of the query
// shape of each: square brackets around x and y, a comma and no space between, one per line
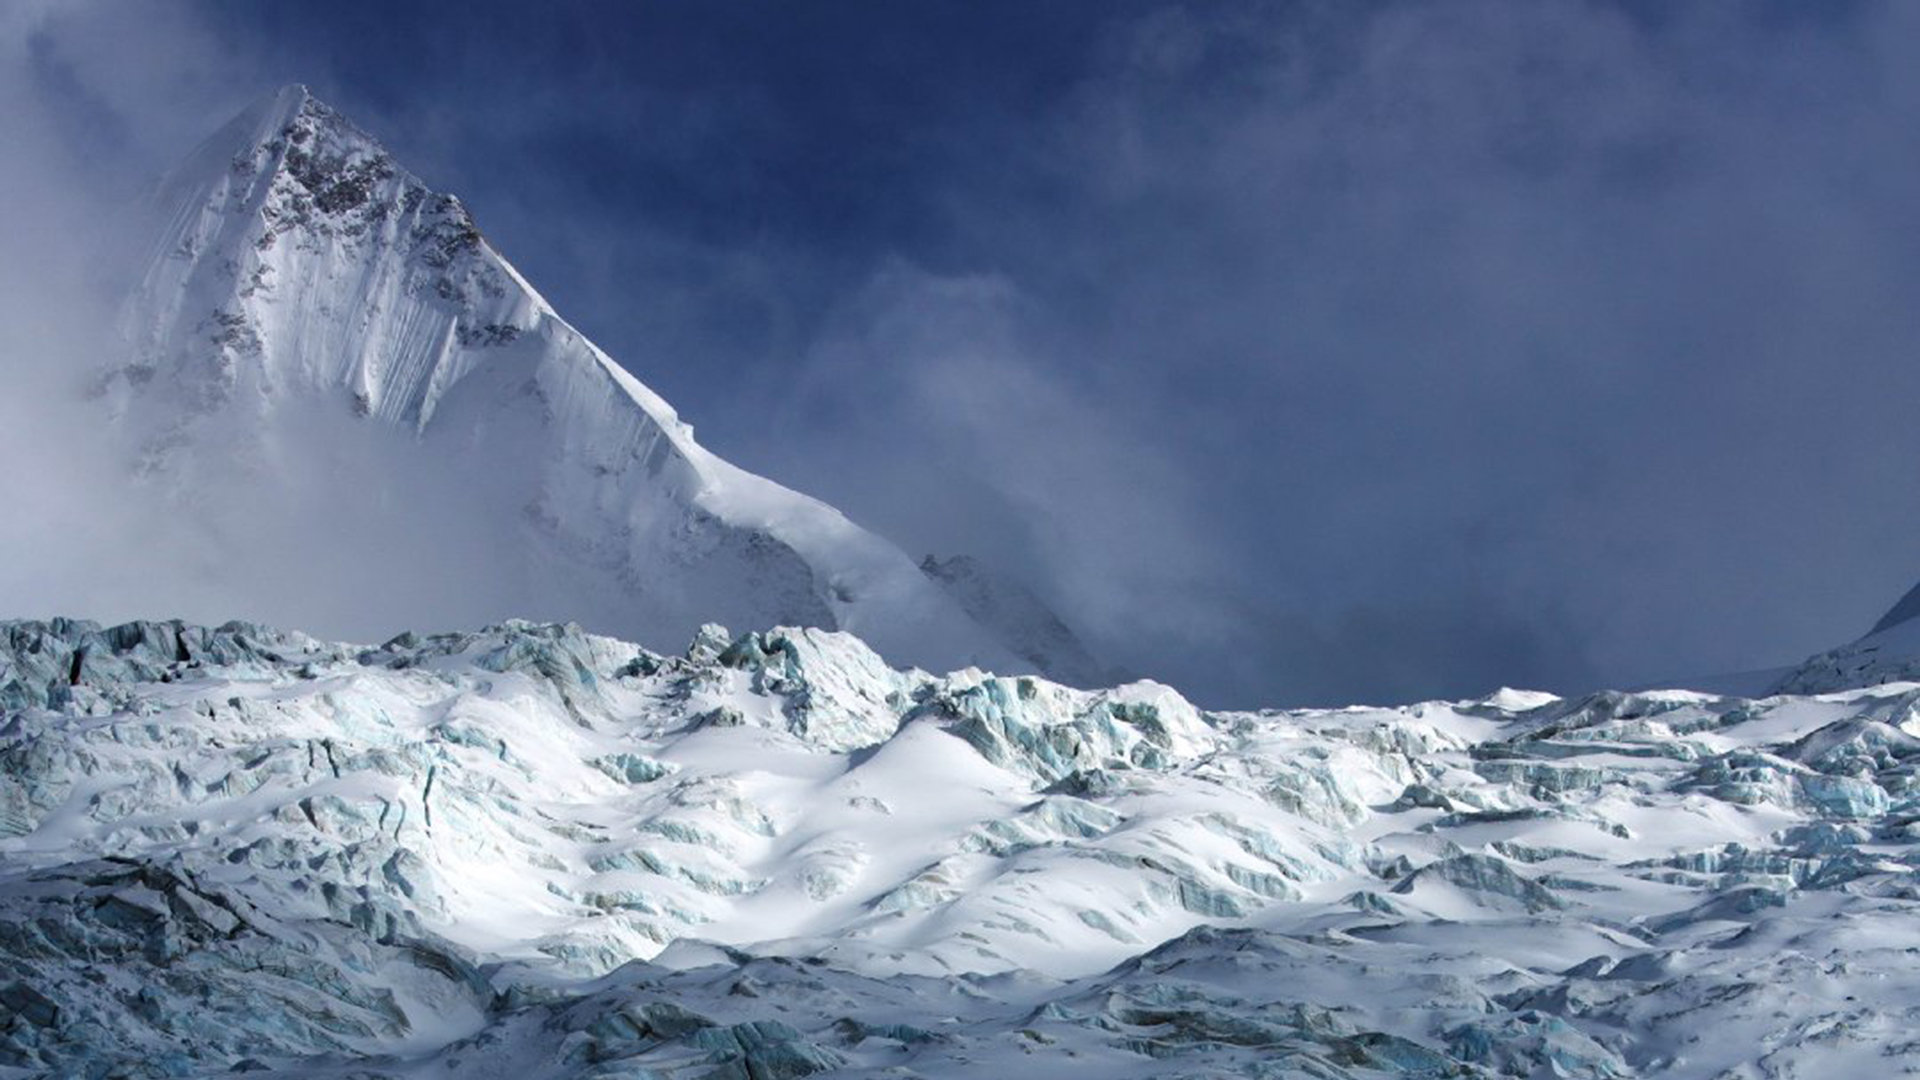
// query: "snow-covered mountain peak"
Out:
[318,327]
[297,255]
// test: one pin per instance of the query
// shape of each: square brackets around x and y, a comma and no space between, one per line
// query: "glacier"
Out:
[532,851]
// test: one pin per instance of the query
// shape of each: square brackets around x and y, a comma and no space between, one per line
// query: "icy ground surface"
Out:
[533,853]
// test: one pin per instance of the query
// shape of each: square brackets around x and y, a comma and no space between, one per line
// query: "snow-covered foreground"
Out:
[531,852]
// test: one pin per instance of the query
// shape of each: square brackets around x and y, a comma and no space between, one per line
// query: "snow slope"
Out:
[371,419]
[533,852]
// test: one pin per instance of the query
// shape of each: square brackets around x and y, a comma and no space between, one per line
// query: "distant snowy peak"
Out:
[313,309]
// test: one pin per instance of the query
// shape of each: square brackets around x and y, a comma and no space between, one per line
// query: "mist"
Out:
[1296,353]
[1438,347]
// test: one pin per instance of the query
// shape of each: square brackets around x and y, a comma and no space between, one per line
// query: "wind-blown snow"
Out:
[535,852]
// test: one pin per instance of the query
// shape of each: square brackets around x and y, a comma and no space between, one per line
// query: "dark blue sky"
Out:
[1300,352]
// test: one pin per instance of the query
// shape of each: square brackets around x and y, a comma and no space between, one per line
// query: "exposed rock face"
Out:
[531,852]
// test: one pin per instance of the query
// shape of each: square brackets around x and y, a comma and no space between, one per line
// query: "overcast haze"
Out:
[1298,353]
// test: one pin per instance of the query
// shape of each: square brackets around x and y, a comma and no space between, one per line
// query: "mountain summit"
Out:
[325,347]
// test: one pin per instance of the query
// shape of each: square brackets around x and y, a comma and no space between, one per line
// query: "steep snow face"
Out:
[531,852]
[325,347]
